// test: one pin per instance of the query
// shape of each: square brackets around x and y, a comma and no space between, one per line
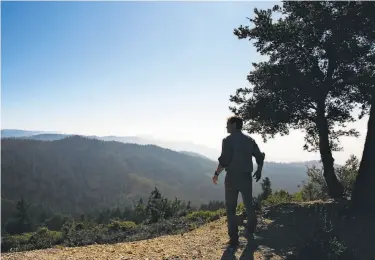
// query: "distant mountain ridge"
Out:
[5,133]
[213,154]
[202,150]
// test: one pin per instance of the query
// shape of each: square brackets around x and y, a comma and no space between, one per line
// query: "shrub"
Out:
[45,238]
[14,242]
[79,226]
[56,222]
[278,197]
[298,196]
[117,225]
[205,215]
[240,209]
[316,187]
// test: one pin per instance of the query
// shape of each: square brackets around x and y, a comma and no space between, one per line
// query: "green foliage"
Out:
[117,225]
[157,206]
[79,226]
[319,69]
[269,198]
[348,174]
[266,192]
[56,222]
[14,242]
[240,210]
[278,197]
[116,231]
[266,189]
[298,197]
[140,213]
[317,64]
[42,238]
[171,216]
[316,187]
[45,238]
[213,205]
[21,222]
[206,215]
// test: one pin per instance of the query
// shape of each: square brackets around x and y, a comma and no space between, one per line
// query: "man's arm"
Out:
[259,156]
[225,157]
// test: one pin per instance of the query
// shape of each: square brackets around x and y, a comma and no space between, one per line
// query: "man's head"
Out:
[234,123]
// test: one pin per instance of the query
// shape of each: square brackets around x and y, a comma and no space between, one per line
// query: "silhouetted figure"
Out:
[236,159]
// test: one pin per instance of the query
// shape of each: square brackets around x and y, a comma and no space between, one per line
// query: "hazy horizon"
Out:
[162,69]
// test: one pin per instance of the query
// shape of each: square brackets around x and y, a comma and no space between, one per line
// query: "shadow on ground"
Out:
[247,253]
[317,231]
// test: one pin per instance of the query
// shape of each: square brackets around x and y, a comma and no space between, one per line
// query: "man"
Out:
[236,159]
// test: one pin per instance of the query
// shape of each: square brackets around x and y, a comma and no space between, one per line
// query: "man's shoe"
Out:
[233,242]
[248,236]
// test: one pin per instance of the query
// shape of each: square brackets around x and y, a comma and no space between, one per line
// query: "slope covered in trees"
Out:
[79,175]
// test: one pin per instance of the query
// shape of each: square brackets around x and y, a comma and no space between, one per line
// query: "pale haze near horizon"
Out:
[134,68]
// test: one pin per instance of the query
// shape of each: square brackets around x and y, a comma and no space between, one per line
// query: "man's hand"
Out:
[215,179]
[257,175]
[217,172]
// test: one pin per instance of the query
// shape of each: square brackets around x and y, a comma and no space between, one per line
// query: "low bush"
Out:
[277,197]
[117,225]
[206,215]
[43,238]
[13,242]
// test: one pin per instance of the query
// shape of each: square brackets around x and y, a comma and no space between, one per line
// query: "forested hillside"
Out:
[78,174]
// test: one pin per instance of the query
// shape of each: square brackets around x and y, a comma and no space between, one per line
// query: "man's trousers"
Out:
[234,184]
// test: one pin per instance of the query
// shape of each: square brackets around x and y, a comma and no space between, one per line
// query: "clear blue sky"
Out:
[126,68]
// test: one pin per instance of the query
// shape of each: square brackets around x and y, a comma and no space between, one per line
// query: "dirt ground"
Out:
[304,231]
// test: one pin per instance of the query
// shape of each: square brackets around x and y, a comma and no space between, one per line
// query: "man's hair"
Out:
[237,120]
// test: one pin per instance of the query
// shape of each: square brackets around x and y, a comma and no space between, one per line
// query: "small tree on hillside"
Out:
[348,174]
[319,69]
[266,189]
[316,187]
[56,221]
[21,222]
[155,206]
[140,213]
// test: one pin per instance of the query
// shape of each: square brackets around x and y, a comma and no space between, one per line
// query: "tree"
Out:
[139,212]
[21,223]
[363,196]
[127,213]
[316,188]
[188,206]
[266,189]
[348,173]
[56,221]
[116,213]
[317,64]
[364,188]
[155,206]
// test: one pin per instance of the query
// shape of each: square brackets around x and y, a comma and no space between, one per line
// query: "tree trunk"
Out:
[363,196]
[335,189]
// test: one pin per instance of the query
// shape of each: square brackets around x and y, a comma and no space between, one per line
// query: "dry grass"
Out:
[305,231]
[207,242]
